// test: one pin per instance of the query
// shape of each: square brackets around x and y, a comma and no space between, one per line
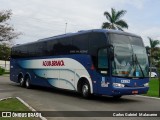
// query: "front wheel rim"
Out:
[85,90]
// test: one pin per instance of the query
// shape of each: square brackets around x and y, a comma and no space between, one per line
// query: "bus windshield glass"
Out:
[130,57]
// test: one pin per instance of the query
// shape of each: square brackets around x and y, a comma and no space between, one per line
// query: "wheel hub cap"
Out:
[85,89]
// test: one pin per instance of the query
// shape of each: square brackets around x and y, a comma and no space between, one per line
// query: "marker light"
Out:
[92,67]
[146,85]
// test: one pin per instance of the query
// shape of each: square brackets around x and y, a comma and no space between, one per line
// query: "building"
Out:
[5,64]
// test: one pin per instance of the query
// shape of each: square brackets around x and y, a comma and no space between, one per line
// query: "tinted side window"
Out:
[103,61]
[63,46]
[40,49]
[81,42]
[13,52]
[97,40]
[50,47]
[22,51]
[31,50]
[103,58]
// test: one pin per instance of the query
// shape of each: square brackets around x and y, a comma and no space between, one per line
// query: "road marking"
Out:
[27,105]
[32,109]
[147,97]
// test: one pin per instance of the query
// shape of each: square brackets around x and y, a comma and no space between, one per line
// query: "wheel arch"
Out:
[19,76]
[27,75]
[82,80]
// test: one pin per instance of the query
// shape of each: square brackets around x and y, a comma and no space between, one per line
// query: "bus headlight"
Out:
[146,85]
[118,85]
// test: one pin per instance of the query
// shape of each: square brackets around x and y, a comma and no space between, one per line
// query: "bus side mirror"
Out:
[111,53]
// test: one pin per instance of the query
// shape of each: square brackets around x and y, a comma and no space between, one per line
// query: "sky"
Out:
[37,19]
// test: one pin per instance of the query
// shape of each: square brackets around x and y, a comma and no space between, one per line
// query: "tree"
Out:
[154,50]
[7,32]
[4,51]
[114,20]
[153,43]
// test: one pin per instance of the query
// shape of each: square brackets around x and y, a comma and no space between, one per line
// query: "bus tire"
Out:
[27,82]
[21,82]
[85,90]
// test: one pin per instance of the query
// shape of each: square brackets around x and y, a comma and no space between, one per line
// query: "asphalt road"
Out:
[44,99]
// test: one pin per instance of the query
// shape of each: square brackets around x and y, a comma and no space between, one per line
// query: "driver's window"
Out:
[103,59]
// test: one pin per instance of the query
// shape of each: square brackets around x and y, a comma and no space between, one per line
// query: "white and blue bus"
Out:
[99,62]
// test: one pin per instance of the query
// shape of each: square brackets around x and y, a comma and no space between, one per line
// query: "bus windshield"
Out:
[130,57]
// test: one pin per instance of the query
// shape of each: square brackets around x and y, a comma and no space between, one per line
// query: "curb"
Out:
[156,98]
[29,107]
[5,98]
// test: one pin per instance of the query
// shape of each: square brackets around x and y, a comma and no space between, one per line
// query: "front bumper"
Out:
[129,91]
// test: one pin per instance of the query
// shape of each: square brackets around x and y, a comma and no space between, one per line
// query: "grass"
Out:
[7,72]
[153,88]
[14,104]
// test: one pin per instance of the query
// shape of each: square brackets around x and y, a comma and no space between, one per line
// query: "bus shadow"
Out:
[69,93]
[105,99]
[108,99]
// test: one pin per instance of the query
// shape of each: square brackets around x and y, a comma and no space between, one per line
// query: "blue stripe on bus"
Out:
[52,82]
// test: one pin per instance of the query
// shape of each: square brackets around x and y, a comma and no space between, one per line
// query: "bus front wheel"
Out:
[85,90]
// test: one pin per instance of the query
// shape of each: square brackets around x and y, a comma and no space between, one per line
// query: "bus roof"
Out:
[81,32]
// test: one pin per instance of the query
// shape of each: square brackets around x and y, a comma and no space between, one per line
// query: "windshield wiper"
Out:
[136,61]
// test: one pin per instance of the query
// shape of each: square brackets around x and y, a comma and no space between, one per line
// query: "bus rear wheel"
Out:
[21,82]
[27,83]
[85,90]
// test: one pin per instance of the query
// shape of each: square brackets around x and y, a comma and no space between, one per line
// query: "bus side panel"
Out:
[65,77]
[12,70]
[62,72]
[15,70]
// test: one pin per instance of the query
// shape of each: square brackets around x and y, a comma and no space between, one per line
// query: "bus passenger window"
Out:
[102,59]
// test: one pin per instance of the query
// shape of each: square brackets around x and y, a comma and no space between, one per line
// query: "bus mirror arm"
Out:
[111,55]
[109,46]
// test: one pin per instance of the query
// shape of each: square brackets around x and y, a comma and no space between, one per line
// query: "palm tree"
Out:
[153,51]
[114,20]
[153,44]
[153,47]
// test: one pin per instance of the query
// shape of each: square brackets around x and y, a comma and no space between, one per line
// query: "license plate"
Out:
[135,92]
